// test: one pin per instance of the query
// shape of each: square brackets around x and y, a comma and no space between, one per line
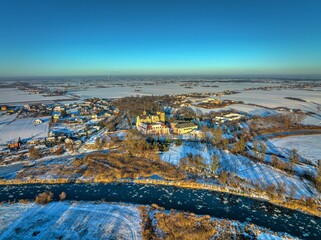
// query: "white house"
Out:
[37,121]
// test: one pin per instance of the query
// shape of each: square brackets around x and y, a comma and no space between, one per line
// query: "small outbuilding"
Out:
[37,121]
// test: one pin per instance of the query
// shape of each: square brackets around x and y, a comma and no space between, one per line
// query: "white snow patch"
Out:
[23,128]
[308,146]
[69,221]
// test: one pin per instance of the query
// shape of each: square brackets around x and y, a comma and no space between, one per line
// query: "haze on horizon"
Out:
[77,37]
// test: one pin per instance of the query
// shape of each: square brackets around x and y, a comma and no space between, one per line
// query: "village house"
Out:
[212,100]
[34,141]
[77,142]
[56,115]
[14,145]
[51,139]
[37,121]
[4,108]
[69,141]
[10,111]
[27,107]
[58,109]
[229,118]
[61,138]
[107,114]
[183,127]
[234,116]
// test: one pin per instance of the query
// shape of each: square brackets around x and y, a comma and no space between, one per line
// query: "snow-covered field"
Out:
[163,88]
[175,153]
[67,128]
[275,98]
[264,176]
[249,109]
[313,120]
[308,146]
[22,127]
[13,95]
[255,173]
[10,171]
[64,220]
[5,120]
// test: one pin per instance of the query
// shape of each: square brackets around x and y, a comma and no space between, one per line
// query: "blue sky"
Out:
[76,37]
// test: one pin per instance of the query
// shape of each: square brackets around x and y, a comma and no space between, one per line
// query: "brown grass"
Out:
[159,225]
[44,198]
[115,166]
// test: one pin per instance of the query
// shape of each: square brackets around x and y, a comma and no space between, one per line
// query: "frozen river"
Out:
[216,204]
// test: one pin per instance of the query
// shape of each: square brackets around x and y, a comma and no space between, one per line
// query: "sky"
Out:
[77,37]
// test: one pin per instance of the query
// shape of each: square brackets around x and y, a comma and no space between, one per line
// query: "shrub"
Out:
[59,151]
[34,152]
[62,196]
[44,198]
[23,201]
[223,177]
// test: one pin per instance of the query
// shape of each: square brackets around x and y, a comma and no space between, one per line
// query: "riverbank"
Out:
[297,205]
[294,132]
[101,220]
[201,202]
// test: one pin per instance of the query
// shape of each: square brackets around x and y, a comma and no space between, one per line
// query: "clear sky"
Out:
[77,37]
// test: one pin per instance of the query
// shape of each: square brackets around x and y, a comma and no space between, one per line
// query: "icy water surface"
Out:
[216,204]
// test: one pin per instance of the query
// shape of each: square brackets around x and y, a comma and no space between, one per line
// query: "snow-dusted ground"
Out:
[312,120]
[69,221]
[175,153]
[10,171]
[6,119]
[162,88]
[23,128]
[67,128]
[14,95]
[264,175]
[249,109]
[275,98]
[308,146]
[255,173]
[267,236]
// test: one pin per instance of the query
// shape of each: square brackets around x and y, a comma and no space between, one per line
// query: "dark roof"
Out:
[185,124]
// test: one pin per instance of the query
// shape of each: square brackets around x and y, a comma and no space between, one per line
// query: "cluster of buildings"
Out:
[70,123]
[155,124]
[230,117]
[96,109]
[152,124]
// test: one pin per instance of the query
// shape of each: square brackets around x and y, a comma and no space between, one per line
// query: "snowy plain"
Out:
[12,128]
[163,88]
[254,173]
[14,95]
[248,109]
[276,98]
[308,146]
[67,220]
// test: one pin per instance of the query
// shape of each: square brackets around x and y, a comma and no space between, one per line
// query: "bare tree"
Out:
[62,196]
[215,163]
[34,152]
[294,157]
[223,177]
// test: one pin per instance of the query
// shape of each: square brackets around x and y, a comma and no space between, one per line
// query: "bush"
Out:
[34,152]
[44,198]
[223,177]
[179,142]
[62,196]
[59,151]
[24,201]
